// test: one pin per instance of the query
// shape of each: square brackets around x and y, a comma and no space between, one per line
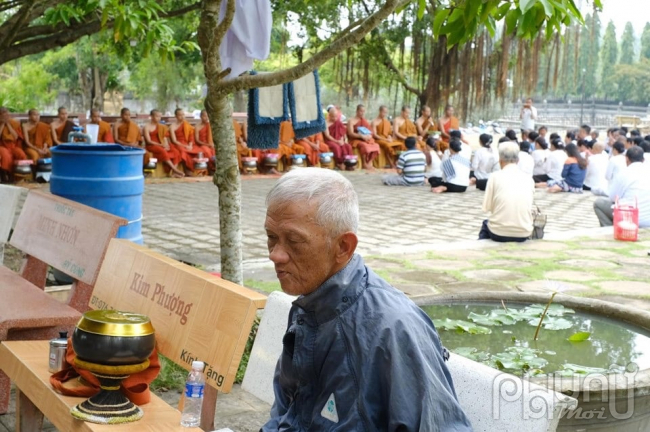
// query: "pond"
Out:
[501,336]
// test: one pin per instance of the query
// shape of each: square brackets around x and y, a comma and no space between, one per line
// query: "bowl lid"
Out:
[115,323]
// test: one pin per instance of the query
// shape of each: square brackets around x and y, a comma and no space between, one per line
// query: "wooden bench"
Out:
[213,325]
[68,236]
[494,401]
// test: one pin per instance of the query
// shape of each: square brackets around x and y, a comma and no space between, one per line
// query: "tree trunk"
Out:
[226,176]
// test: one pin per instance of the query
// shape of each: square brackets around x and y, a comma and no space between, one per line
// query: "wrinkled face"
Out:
[34,116]
[383,113]
[426,112]
[180,116]
[156,116]
[300,249]
[449,112]
[361,112]
[63,115]
[95,117]
[204,117]
[126,116]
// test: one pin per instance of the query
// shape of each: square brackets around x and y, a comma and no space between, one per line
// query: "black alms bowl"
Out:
[113,338]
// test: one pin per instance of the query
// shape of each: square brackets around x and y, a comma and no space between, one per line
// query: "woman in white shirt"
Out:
[433,159]
[455,172]
[555,162]
[617,162]
[540,157]
[484,162]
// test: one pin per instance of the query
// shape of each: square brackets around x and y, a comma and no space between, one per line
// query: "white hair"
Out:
[336,200]
[509,152]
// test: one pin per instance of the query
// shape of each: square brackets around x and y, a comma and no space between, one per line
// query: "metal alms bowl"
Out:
[151,165]
[325,159]
[350,162]
[271,160]
[200,165]
[22,169]
[249,162]
[109,337]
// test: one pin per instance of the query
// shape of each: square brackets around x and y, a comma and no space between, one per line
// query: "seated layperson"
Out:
[631,186]
[573,172]
[455,172]
[484,162]
[509,199]
[410,167]
[357,355]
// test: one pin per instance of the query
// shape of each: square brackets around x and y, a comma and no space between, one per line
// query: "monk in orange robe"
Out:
[156,137]
[182,137]
[382,132]
[242,146]
[446,124]
[425,123]
[287,146]
[38,137]
[203,140]
[11,139]
[61,127]
[104,135]
[405,128]
[363,139]
[125,131]
[313,146]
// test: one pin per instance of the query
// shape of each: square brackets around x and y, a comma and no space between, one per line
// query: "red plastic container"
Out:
[626,222]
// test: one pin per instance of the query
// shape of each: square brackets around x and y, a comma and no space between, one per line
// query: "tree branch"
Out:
[62,35]
[225,24]
[340,44]
[388,62]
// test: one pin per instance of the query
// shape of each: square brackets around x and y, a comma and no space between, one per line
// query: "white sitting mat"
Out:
[9,196]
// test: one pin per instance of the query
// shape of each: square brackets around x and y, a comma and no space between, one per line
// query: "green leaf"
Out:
[472,353]
[456,15]
[488,7]
[439,19]
[471,11]
[525,5]
[422,8]
[552,323]
[579,337]
[548,8]
[511,20]
[502,11]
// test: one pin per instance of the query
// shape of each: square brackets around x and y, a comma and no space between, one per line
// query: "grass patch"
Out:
[171,376]
[243,364]
[265,286]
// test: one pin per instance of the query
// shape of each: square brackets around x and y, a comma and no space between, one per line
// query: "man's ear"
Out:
[346,245]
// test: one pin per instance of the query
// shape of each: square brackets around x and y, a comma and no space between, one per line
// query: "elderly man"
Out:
[358,354]
[509,199]
[630,186]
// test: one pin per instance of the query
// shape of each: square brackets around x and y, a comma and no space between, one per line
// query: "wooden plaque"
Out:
[196,316]
[69,236]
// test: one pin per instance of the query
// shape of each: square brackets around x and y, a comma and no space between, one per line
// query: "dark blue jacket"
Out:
[359,355]
[573,175]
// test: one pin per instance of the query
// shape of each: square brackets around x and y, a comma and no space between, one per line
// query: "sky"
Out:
[622,11]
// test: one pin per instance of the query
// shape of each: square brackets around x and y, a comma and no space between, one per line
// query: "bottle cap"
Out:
[198,365]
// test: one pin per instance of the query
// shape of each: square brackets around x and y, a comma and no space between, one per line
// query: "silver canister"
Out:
[58,348]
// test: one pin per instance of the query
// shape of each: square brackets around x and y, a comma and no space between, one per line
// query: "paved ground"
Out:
[420,242]
[181,218]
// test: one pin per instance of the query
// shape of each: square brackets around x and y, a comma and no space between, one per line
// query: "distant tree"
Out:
[608,59]
[627,45]
[645,42]
[633,82]
[588,56]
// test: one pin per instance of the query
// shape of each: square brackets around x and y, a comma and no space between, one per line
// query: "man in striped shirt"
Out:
[410,167]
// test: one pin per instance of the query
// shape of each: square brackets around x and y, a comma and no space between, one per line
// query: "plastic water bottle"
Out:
[194,386]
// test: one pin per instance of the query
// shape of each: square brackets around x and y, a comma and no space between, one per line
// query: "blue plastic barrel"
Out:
[107,177]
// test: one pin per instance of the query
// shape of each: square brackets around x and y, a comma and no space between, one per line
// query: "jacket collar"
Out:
[337,293]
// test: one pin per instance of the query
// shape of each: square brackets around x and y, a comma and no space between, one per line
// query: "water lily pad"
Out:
[556,310]
[460,326]
[519,359]
[472,354]
[569,369]
[579,337]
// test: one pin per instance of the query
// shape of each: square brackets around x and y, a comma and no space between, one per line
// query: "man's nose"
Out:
[278,255]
